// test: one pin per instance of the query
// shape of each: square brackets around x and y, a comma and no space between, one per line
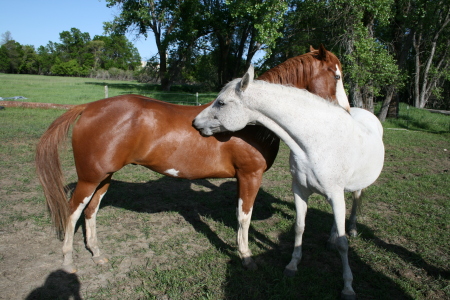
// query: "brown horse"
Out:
[132,129]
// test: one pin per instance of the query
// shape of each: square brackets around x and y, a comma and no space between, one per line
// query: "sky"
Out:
[36,22]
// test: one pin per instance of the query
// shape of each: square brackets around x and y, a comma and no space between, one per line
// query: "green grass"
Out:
[184,231]
[411,118]
[75,90]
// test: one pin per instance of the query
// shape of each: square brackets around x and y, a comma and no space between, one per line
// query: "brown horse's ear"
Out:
[311,48]
[322,53]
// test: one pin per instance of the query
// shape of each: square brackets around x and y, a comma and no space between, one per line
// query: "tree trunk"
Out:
[367,98]
[386,103]
[416,41]
[355,96]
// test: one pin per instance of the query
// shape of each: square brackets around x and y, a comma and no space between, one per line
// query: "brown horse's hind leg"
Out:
[80,198]
[248,186]
[90,217]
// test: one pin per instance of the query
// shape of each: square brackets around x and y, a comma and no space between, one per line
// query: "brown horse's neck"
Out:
[295,71]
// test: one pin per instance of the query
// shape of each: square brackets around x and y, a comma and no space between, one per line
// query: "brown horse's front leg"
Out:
[248,186]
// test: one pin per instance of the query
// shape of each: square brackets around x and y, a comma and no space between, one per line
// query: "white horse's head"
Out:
[228,112]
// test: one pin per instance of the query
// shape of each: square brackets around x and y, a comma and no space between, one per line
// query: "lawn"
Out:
[175,239]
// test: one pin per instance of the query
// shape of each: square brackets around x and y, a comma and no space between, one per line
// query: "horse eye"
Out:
[337,77]
[221,103]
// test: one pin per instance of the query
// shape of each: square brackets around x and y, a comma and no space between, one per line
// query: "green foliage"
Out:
[76,55]
[4,60]
[229,32]
[69,68]
[267,18]
[370,64]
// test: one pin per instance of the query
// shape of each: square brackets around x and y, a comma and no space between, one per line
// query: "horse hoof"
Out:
[250,265]
[289,272]
[345,296]
[69,269]
[100,260]
[353,233]
[331,245]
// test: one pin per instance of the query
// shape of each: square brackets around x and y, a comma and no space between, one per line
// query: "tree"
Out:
[114,51]
[431,40]
[13,55]
[46,58]
[6,37]
[158,17]
[4,60]
[29,61]
[350,29]
[183,30]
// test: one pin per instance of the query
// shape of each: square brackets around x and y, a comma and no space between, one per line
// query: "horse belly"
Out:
[367,168]
[368,147]
[185,154]
[185,162]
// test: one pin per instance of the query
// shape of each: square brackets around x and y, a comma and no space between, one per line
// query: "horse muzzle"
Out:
[207,128]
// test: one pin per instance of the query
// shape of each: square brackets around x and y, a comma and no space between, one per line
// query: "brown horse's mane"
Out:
[296,70]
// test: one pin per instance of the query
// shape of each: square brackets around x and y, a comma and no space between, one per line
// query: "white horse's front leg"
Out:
[338,203]
[301,196]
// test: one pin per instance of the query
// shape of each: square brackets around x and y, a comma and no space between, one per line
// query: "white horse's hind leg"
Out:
[352,231]
[301,196]
[338,204]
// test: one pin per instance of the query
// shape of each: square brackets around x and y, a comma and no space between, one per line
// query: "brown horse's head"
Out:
[318,71]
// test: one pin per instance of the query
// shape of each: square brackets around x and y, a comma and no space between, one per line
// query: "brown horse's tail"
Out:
[48,167]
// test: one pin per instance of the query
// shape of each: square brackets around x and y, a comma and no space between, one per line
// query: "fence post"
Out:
[106,91]
[196,98]
[407,116]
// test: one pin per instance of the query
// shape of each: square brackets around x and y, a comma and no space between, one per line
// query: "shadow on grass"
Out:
[320,272]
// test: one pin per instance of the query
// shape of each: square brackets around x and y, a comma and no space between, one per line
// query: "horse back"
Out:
[134,129]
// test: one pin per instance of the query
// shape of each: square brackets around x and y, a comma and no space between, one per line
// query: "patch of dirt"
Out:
[31,255]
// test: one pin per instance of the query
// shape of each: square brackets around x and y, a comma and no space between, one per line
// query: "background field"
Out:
[76,90]
[175,239]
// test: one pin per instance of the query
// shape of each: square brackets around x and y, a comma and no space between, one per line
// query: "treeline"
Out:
[106,57]
[391,50]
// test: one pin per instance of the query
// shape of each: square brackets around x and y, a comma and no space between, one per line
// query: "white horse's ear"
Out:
[247,79]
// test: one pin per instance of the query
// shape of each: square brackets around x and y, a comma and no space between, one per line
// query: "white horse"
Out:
[332,151]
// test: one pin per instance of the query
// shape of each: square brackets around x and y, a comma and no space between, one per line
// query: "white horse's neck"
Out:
[300,111]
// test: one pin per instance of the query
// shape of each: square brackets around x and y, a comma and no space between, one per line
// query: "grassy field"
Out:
[75,90]
[175,239]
